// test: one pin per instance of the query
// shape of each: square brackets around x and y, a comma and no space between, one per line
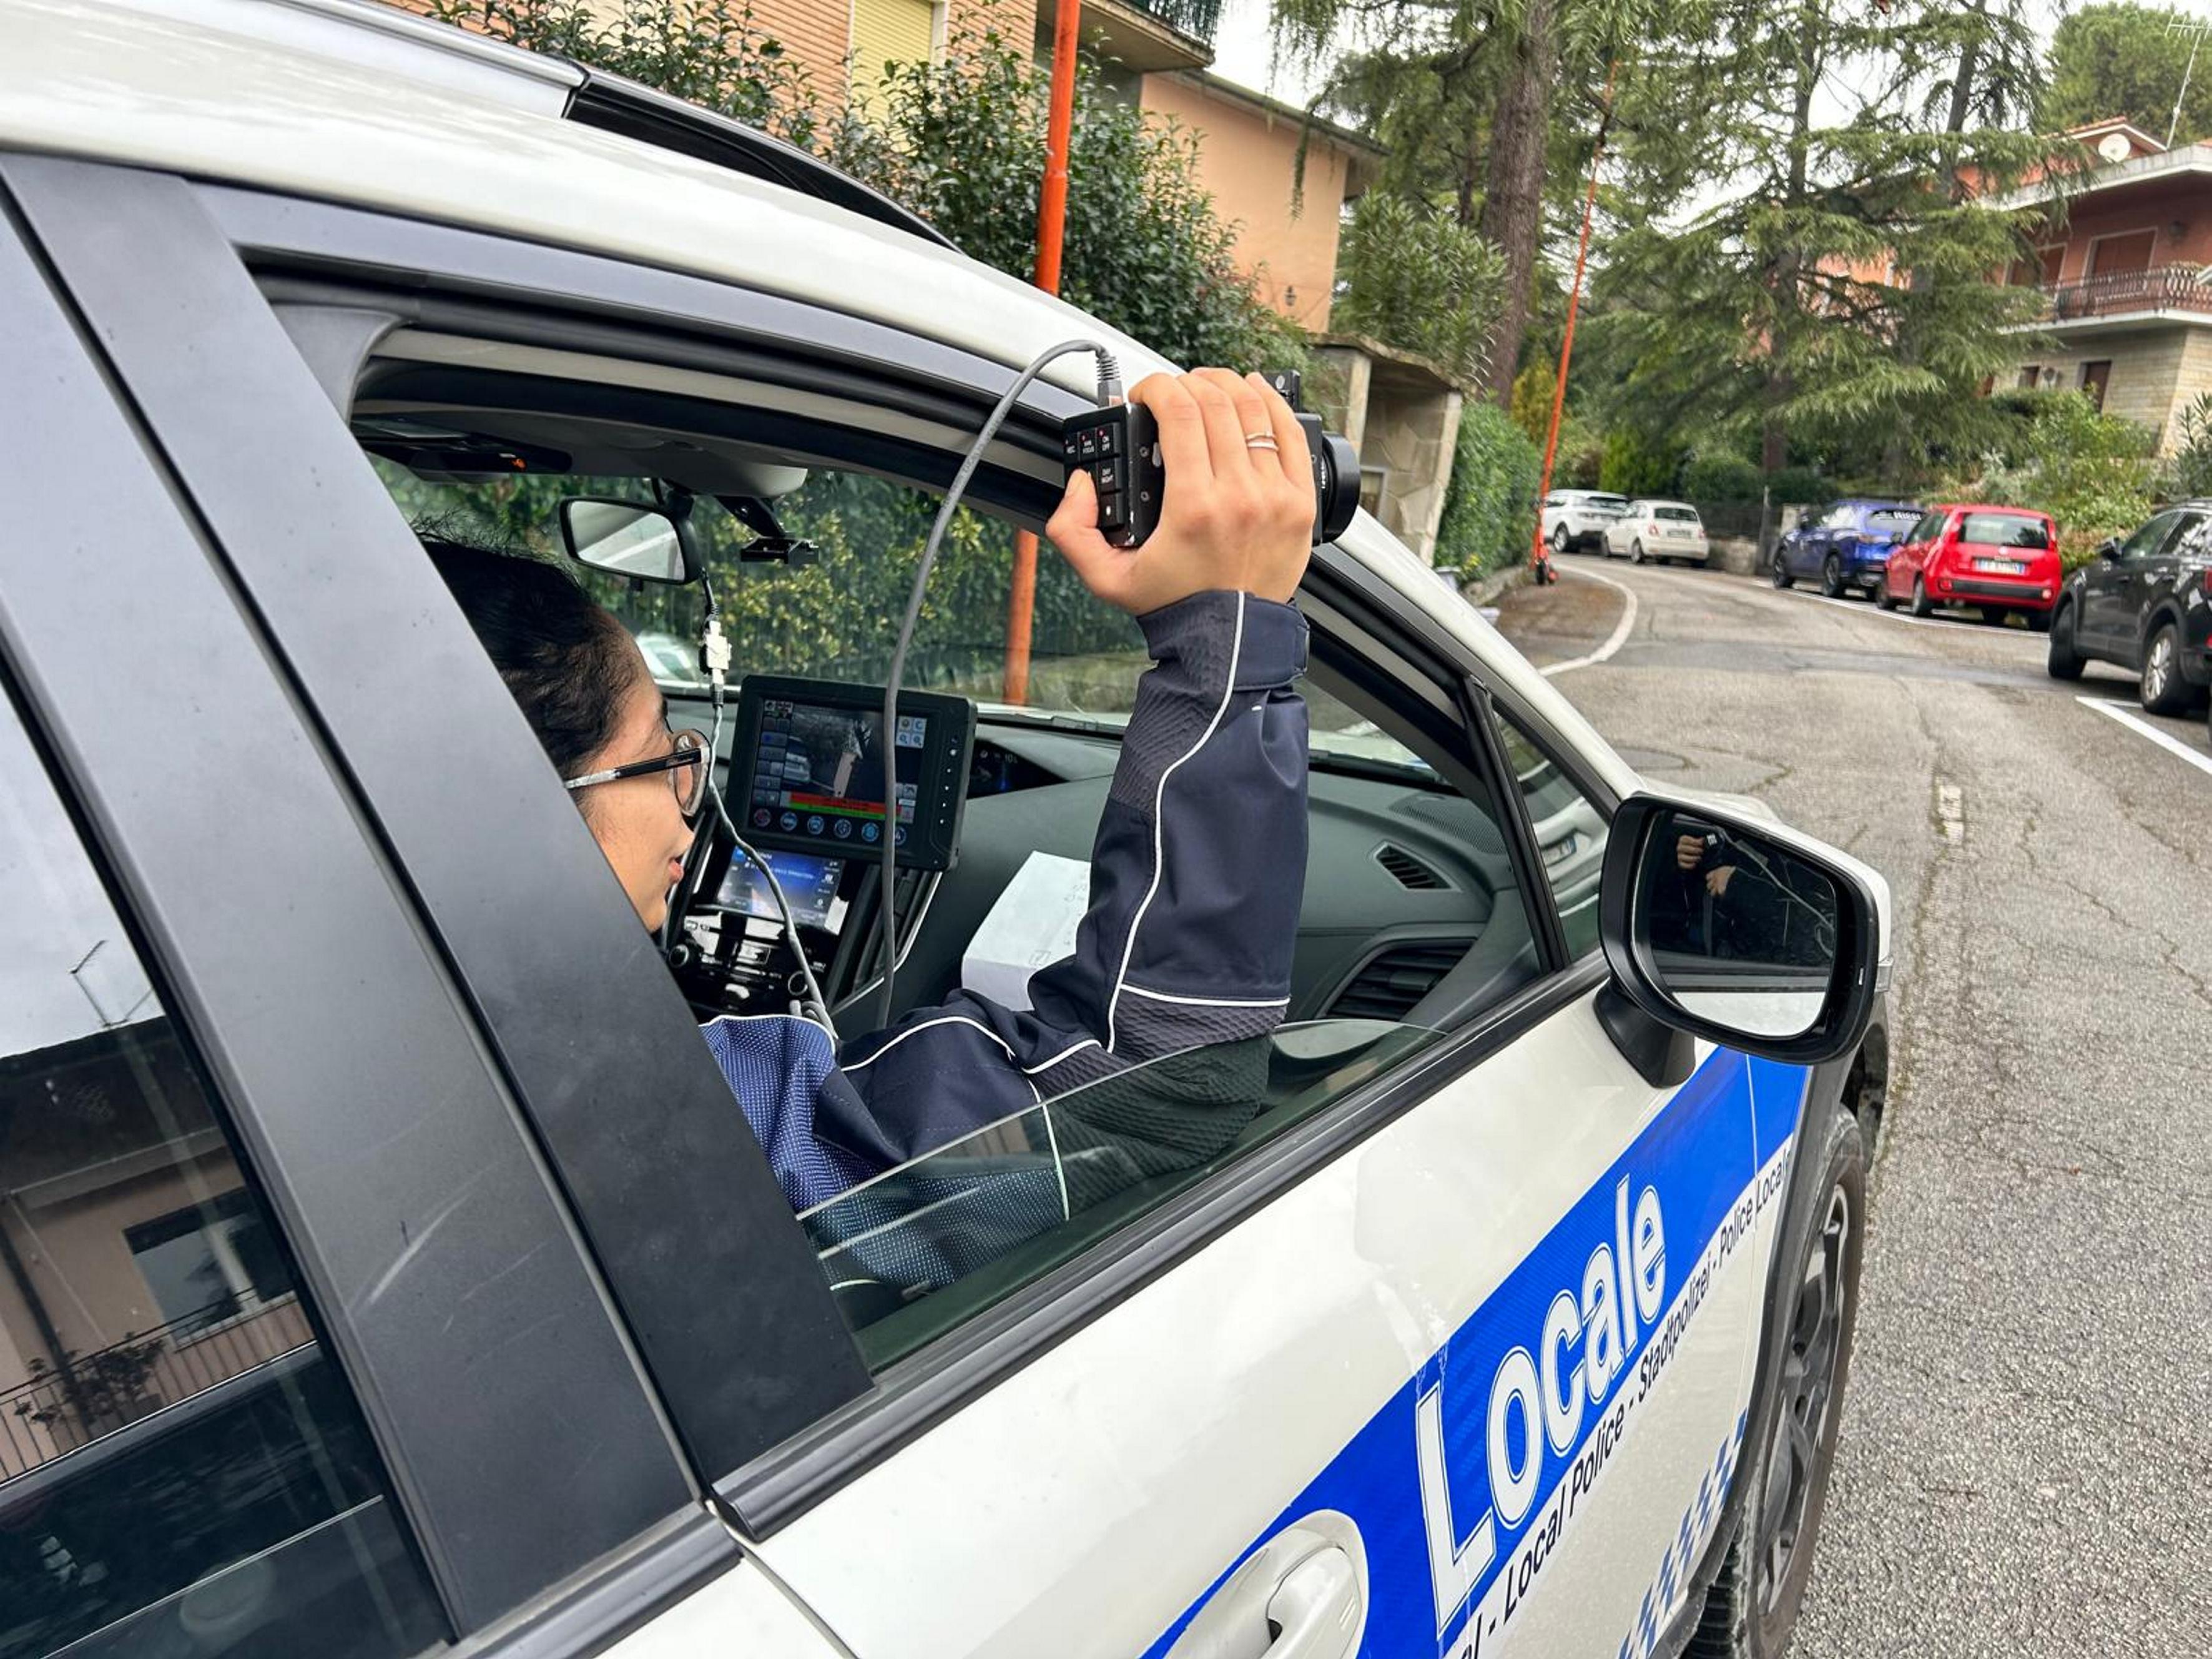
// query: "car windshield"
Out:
[1606,504]
[820,608]
[2004,530]
[1676,515]
[925,1246]
[1895,520]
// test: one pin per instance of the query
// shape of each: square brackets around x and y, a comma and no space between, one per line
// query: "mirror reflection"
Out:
[1739,930]
[625,538]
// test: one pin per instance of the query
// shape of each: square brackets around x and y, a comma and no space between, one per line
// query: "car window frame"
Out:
[2188,521]
[280,236]
[543,1514]
[2171,519]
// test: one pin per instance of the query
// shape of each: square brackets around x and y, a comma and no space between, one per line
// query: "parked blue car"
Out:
[1845,546]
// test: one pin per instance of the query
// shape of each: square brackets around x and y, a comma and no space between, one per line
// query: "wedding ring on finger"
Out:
[1262,440]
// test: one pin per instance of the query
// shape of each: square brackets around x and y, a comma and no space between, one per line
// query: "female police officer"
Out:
[1200,858]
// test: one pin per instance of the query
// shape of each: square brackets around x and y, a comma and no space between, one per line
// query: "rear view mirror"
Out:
[2109,550]
[626,538]
[1737,933]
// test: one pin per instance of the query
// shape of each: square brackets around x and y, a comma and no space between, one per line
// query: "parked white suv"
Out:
[1658,530]
[1580,518]
[405,1277]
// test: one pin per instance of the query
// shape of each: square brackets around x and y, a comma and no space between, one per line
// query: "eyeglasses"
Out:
[684,762]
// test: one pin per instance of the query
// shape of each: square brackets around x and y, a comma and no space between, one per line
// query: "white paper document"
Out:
[1031,927]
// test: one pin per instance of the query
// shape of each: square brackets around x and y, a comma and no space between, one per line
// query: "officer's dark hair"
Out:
[566,659]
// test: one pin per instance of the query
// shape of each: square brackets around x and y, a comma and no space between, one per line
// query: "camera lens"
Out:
[1339,487]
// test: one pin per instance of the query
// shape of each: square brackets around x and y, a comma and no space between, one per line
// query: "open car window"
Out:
[926,1246]
[1413,918]
[817,608]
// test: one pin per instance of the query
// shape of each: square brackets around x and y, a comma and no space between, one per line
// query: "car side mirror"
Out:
[626,538]
[1739,932]
[2109,550]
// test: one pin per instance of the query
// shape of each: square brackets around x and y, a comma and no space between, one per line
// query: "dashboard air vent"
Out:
[1406,870]
[1397,978]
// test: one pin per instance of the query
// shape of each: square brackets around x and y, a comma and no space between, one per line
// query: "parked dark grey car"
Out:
[2145,605]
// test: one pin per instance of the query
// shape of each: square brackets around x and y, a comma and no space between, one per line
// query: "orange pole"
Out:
[1538,562]
[1052,218]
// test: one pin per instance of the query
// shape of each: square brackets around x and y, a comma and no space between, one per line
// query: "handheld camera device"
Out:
[1119,446]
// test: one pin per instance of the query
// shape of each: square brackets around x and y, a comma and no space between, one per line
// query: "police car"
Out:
[384,1266]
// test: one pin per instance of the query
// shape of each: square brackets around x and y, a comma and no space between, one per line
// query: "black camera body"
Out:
[1120,449]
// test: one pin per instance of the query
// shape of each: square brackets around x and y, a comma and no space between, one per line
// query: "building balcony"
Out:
[1198,20]
[1142,36]
[2120,300]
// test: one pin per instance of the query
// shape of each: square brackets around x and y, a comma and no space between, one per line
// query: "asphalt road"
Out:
[2027,1460]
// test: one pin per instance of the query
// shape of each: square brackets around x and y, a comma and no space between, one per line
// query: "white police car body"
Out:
[1517,1323]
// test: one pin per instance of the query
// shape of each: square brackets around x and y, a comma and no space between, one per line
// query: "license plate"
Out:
[2002,567]
[1682,535]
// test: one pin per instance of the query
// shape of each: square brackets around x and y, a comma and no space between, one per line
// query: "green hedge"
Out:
[1490,509]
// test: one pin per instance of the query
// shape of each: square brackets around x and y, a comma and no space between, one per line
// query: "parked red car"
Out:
[2002,559]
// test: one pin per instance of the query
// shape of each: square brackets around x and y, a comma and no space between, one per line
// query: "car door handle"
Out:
[1302,1594]
[1315,1612]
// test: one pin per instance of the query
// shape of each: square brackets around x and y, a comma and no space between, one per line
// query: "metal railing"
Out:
[1199,19]
[2166,288]
[62,1409]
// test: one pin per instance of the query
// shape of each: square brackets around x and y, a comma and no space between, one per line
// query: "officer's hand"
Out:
[1233,516]
[1688,849]
[1717,879]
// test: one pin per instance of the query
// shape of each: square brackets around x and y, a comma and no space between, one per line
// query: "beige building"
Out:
[1248,160]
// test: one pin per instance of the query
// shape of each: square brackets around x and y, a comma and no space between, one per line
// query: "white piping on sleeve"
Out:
[946,1019]
[1159,824]
[1068,1052]
[1207,1002]
[1059,1168]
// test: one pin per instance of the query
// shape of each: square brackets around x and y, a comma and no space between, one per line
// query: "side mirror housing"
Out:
[626,538]
[1739,932]
[2109,550]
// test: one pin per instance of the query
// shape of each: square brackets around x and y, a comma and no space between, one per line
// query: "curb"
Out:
[1494,587]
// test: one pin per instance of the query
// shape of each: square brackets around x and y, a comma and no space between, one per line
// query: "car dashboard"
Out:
[1410,911]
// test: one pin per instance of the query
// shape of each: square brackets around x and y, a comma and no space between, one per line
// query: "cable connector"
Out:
[1110,378]
[714,651]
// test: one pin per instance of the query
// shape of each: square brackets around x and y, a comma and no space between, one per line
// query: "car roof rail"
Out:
[614,103]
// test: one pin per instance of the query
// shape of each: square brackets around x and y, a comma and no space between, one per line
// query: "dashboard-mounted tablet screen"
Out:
[813,774]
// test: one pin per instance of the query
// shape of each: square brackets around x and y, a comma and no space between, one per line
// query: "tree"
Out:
[1806,276]
[1415,280]
[1634,465]
[2128,61]
[1534,390]
[1996,68]
[1467,90]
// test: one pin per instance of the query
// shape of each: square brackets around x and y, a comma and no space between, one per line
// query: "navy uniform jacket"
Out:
[1196,877]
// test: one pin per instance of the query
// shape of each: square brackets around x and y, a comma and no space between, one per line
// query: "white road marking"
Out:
[1621,631]
[1951,811]
[2166,740]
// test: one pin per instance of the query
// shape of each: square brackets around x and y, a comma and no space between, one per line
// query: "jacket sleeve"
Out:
[1196,876]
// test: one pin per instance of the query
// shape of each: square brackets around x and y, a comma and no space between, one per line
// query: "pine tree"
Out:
[1783,271]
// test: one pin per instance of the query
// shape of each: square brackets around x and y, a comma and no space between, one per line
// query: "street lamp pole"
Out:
[1051,215]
